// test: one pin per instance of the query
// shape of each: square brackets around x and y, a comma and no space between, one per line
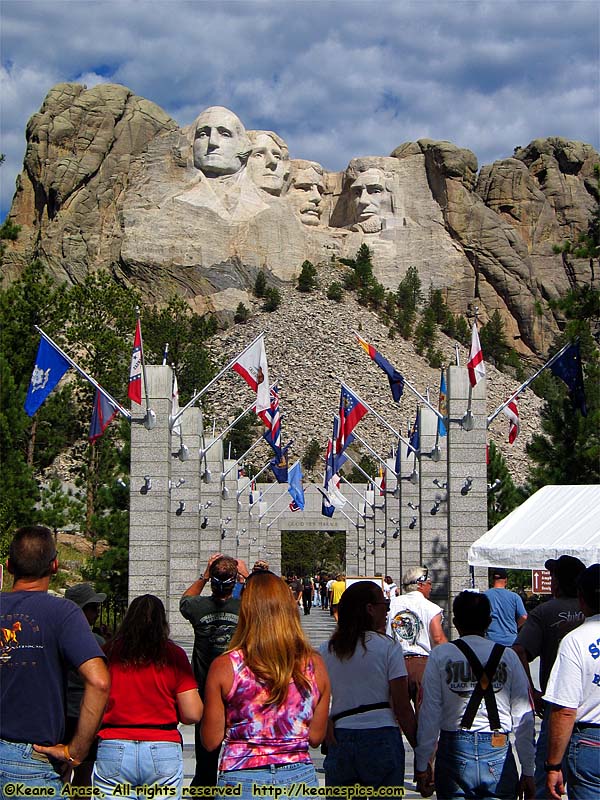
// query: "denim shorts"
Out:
[298,775]
[583,763]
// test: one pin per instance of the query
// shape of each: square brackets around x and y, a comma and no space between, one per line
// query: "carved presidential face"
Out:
[269,164]
[372,199]
[220,142]
[306,195]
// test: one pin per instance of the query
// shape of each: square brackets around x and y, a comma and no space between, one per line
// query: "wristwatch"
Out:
[552,767]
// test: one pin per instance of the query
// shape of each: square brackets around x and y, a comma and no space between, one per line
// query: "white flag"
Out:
[252,366]
[475,364]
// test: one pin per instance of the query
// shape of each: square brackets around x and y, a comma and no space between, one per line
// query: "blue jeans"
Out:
[19,763]
[272,775]
[370,757]
[466,765]
[583,763]
[123,767]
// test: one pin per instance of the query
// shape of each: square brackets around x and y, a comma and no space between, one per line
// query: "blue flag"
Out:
[295,487]
[49,368]
[396,380]
[327,508]
[103,414]
[413,437]
[279,464]
[568,368]
[443,405]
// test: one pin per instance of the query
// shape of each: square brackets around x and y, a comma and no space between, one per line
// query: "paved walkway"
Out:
[319,626]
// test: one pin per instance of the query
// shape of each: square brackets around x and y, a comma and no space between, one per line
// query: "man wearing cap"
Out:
[40,638]
[214,620]
[416,623]
[508,611]
[540,636]
[89,601]
[574,691]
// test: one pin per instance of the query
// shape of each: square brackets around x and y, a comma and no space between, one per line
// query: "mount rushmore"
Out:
[111,181]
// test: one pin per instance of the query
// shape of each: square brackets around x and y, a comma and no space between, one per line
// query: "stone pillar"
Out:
[149,497]
[467,507]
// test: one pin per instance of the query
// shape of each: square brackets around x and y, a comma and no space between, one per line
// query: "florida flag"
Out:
[475,364]
[103,414]
[134,390]
[252,366]
[512,412]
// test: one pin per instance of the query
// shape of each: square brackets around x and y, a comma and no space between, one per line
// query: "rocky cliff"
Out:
[111,181]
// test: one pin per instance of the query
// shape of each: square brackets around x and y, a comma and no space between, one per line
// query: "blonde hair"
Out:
[270,636]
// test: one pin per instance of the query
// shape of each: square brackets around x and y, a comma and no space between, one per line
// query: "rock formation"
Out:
[110,181]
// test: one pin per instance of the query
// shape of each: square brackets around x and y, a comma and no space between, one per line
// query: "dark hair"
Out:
[472,611]
[588,585]
[143,635]
[223,575]
[32,552]
[353,618]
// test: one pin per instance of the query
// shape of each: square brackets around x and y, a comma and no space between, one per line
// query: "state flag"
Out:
[413,437]
[475,364]
[134,390]
[512,412]
[443,405]
[568,368]
[295,487]
[351,412]
[396,380]
[252,366]
[50,366]
[103,414]
[176,429]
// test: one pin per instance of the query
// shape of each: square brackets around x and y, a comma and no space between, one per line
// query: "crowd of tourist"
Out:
[77,711]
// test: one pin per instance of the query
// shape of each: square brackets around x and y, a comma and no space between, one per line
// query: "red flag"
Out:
[134,391]
[512,412]
[475,364]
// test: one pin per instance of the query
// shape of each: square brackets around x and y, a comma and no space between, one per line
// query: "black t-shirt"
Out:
[214,622]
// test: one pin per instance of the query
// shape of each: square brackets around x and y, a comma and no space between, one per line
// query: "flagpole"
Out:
[277,499]
[370,449]
[199,394]
[530,380]
[356,525]
[411,388]
[203,450]
[123,411]
[237,461]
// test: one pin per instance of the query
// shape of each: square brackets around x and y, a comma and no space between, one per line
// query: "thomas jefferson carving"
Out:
[269,161]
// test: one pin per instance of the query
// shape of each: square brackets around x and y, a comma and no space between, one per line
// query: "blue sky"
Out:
[336,79]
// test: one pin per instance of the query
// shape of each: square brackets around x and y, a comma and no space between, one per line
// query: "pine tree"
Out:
[311,456]
[504,497]
[493,341]
[260,284]
[307,280]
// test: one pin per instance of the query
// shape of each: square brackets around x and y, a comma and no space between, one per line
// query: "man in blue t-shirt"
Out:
[40,638]
[508,611]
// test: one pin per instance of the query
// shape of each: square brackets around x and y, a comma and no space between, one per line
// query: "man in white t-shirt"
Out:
[416,623]
[574,691]
[474,714]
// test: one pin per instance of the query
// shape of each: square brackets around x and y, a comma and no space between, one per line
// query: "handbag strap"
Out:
[485,685]
[359,710]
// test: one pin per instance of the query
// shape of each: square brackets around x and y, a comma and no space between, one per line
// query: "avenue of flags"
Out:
[52,363]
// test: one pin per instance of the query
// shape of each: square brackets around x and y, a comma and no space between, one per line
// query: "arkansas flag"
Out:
[252,366]
[134,390]
[103,414]
[512,412]
[475,363]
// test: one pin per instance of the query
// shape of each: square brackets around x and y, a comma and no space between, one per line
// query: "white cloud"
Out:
[336,79]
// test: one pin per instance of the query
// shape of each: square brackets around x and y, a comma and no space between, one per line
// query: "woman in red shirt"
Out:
[152,690]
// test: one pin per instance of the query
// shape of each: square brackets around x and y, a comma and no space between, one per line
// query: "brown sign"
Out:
[541,581]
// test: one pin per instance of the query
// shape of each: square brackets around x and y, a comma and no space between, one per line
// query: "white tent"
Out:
[556,520]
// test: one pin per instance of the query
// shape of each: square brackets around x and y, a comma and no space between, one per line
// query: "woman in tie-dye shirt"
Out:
[267,697]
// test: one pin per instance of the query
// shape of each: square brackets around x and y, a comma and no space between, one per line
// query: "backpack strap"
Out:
[485,685]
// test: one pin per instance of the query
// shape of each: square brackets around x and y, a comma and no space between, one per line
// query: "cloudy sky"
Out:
[335,78]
